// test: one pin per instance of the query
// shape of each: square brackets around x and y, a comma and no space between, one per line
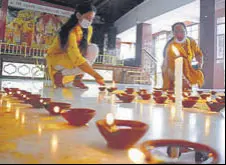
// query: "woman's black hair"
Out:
[73,21]
[179,23]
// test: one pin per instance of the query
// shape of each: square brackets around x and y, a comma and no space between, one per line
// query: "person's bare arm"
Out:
[198,54]
[88,69]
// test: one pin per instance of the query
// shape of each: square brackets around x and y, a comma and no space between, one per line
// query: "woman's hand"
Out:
[99,79]
[100,82]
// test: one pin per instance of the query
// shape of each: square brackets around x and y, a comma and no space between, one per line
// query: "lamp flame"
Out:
[110,119]
[56,109]
[136,156]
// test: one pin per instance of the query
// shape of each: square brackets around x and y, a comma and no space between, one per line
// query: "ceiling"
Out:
[108,10]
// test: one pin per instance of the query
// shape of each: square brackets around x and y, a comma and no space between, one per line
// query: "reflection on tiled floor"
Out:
[32,136]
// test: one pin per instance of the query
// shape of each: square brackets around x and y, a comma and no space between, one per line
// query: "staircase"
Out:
[147,73]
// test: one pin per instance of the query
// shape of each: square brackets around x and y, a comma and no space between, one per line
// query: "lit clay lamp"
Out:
[220,100]
[200,92]
[161,99]
[172,98]
[102,89]
[159,89]
[186,94]
[157,93]
[194,98]
[150,150]
[213,93]
[31,98]
[121,134]
[129,90]
[126,98]
[23,95]
[14,90]
[39,102]
[78,117]
[204,96]
[142,92]
[169,92]
[55,108]
[17,94]
[222,97]
[146,96]
[113,88]
[189,103]
[215,106]
[7,90]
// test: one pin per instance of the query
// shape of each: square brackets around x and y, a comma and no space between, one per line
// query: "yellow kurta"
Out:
[189,50]
[69,58]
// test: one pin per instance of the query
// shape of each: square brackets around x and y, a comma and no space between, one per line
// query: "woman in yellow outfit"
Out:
[72,54]
[189,50]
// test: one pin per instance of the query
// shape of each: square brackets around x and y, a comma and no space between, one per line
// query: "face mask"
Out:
[182,41]
[85,23]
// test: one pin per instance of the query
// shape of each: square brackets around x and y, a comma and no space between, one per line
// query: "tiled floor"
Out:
[32,136]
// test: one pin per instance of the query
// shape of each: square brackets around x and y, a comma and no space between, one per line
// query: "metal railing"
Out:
[109,60]
[40,53]
[21,50]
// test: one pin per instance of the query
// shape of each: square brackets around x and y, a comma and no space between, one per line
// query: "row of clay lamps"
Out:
[160,97]
[77,117]
[120,134]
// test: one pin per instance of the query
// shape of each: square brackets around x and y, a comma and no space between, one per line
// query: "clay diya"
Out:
[23,95]
[39,102]
[174,151]
[194,98]
[126,98]
[170,92]
[8,91]
[220,100]
[141,92]
[186,94]
[213,93]
[157,93]
[112,89]
[32,97]
[200,92]
[204,96]
[161,99]
[55,108]
[215,106]
[172,98]
[19,94]
[146,96]
[129,90]
[78,117]
[102,89]
[159,89]
[188,103]
[222,97]
[121,134]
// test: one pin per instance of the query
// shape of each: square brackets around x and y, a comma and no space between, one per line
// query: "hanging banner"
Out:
[32,24]
[39,8]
